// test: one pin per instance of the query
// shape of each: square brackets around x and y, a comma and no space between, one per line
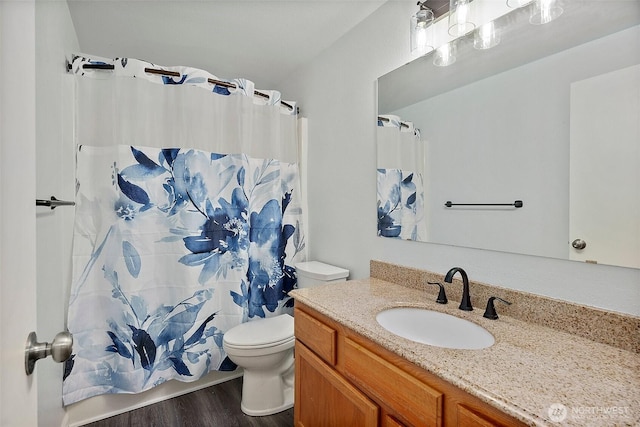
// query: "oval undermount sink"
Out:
[435,328]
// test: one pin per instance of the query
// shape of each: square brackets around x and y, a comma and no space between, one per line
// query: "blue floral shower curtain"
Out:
[173,246]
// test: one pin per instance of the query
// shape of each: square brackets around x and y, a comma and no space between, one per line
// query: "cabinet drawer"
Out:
[316,335]
[414,401]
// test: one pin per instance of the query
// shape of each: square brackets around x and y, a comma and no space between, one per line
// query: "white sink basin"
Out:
[435,328]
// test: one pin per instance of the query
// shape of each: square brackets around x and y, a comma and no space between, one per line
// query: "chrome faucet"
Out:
[465,304]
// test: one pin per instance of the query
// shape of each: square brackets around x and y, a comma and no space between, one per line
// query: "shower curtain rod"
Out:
[177,74]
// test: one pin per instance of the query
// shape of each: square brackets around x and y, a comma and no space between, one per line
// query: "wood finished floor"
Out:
[216,406]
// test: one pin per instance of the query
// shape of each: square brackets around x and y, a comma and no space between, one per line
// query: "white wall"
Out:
[337,92]
[55,40]
[18,392]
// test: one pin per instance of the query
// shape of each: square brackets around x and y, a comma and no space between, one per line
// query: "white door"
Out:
[18,392]
[605,168]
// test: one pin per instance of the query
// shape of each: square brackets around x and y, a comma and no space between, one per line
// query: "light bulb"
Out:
[462,12]
[545,11]
[421,32]
[445,55]
[486,36]
[460,19]
[421,38]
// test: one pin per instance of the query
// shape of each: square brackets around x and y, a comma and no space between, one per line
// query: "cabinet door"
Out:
[410,400]
[324,398]
[469,418]
[389,421]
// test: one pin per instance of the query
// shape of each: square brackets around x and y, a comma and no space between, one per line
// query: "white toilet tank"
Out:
[313,273]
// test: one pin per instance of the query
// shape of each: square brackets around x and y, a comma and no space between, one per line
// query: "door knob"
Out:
[59,349]
[579,244]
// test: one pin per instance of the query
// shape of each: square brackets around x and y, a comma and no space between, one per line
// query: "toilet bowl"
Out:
[264,349]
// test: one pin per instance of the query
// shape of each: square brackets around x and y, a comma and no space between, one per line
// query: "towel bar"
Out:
[516,204]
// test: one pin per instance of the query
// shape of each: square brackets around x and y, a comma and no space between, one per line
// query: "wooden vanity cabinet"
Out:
[345,379]
[326,398]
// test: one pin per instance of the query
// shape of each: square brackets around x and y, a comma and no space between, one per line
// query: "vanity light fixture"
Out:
[545,11]
[462,21]
[460,17]
[445,55]
[486,36]
[422,30]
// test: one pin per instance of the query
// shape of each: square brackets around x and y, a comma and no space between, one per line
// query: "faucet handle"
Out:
[490,311]
[442,296]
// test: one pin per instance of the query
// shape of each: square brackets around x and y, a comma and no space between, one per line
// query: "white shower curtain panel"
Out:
[400,180]
[188,222]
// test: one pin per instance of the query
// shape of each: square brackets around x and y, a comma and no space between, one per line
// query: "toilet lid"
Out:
[261,332]
[321,271]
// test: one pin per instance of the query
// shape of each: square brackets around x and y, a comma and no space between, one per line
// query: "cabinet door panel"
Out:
[468,418]
[410,398]
[389,421]
[325,399]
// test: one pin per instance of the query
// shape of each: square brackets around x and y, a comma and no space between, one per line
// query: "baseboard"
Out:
[108,405]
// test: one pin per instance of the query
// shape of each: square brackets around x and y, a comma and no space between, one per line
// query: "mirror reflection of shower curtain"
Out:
[188,222]
[400,180]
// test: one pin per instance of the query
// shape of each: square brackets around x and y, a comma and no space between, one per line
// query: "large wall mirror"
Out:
[549,117]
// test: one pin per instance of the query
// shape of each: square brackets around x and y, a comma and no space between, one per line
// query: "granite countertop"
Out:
[528,372]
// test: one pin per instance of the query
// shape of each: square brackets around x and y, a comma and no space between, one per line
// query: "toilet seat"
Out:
[274,331]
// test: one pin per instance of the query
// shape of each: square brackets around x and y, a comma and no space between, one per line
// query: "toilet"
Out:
[264,349]
[312,273]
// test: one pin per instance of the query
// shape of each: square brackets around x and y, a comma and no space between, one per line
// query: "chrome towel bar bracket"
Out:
[54,203]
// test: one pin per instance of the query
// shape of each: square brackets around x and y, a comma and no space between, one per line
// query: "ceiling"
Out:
[264,41]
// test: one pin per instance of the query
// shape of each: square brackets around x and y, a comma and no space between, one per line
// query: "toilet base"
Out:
[288,403]
[264,393]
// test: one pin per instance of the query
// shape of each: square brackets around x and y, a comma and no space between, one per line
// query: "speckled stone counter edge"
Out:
[607,327]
